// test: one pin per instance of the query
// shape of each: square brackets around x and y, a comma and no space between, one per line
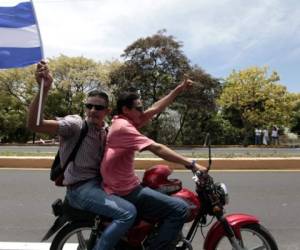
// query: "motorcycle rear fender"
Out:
[217,230]
[57,225]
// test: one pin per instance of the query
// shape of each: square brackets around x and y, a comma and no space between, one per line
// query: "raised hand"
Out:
[186,84]
[43,72]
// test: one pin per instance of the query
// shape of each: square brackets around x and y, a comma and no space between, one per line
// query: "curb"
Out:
[292,163]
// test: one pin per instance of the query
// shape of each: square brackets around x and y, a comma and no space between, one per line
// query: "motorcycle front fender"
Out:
[217,230]
[57,225]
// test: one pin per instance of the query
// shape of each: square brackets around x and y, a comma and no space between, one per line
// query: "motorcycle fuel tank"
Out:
[156,178]
[192,200]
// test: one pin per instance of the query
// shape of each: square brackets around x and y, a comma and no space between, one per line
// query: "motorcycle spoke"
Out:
[259,248]
[251,238]
[81,240]
[262,247]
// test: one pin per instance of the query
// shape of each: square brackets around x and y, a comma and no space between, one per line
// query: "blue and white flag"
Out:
[20,42]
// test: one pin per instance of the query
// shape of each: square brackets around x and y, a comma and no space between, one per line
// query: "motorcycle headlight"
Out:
[223,192]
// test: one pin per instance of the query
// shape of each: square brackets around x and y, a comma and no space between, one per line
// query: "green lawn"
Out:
[190,154]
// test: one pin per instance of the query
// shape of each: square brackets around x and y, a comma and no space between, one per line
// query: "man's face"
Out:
[136,112]
[96,109]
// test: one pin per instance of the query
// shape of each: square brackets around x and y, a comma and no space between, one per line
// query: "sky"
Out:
[218,35]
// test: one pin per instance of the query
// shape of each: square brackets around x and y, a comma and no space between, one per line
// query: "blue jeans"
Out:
[90,197]
[170,211]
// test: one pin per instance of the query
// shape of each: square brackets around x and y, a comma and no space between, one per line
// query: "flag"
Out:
[20,42]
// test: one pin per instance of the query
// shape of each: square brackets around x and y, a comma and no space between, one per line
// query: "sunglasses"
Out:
[97,107]
[139,108]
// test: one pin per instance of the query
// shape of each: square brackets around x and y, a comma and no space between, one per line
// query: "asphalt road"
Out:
[273,197]
[190,151]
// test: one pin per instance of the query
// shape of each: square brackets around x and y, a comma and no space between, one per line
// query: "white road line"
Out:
[22,169]
[180,170]
[242,170]
[24,246]
[31,246]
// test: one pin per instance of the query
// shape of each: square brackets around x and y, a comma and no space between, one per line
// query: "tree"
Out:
[16,87]
[154,65]
[73,78]
[295,123]
[196,108]
[252,98]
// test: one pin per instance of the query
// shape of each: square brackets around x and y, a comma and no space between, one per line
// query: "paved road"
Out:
[272,196]
[190,151]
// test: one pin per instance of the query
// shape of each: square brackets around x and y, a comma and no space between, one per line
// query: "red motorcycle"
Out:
[79,229]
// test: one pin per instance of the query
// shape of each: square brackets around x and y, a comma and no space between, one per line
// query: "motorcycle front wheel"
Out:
[74,236]
[253,236]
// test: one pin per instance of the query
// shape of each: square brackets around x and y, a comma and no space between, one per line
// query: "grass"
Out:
[230,155]
[12,153]
[191,153]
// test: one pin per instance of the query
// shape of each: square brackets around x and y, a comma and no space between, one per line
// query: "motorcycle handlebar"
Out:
[208,143]
[198,175]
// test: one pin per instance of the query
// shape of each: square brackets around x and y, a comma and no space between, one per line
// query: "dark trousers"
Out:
[171,211]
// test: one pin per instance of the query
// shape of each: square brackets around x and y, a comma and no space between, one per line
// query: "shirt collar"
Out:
[125,118]
[93,126]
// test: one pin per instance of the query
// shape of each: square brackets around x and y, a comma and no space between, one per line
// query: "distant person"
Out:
[265,136]
[275,136]
[258,134]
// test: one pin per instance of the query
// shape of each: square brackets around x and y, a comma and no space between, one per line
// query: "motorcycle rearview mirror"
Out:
[207,143]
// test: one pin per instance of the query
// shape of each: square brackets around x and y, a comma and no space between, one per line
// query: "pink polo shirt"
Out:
[117,168]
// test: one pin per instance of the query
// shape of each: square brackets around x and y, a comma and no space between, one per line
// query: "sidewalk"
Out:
[292,163]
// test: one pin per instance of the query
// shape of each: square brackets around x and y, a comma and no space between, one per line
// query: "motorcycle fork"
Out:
[94,233]
[193,229]
[230,234]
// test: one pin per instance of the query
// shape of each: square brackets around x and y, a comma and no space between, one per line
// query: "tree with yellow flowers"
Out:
[252,97]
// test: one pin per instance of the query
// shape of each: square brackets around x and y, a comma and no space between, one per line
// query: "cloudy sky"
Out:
[217,35]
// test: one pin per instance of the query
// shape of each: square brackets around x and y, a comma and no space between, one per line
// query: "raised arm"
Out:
[46,126]
[161,104]
[170,155]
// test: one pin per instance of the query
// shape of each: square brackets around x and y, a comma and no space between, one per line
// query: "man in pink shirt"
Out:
[117,168]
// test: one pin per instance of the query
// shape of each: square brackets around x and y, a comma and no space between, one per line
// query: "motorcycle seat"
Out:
[64,208]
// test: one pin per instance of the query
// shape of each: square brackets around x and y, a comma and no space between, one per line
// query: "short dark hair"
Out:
[100,94]
[126,99]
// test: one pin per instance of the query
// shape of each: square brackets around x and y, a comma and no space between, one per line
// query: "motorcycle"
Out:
[78,229]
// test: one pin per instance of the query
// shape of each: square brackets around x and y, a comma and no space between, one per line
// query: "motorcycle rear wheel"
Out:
[73,236]
[254,236]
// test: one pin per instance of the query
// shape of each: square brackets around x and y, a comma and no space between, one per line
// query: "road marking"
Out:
[179,170]
[245,170]
[22,169]
[31,246]
[256,170]
[24,246]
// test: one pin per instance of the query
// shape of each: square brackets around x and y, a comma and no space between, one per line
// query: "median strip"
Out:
[292,163]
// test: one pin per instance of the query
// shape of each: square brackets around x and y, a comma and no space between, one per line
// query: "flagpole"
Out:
[43,57]
[38,119]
